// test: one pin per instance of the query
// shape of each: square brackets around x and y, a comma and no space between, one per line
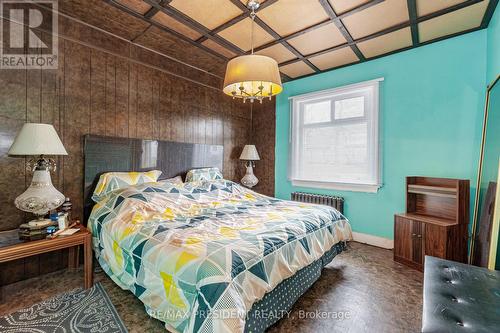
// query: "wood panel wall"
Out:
[97,93]
[105,86]
[263,136]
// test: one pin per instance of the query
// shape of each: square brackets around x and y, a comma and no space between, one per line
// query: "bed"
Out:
[211,255]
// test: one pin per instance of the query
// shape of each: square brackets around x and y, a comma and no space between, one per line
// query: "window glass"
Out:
[350,108]
[317,112]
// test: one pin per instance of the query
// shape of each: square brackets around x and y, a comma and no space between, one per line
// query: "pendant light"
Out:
[252,77]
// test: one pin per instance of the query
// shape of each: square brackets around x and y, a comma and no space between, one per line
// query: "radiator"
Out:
[329,200]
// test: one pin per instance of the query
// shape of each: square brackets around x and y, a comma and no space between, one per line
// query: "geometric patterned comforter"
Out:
[200,254]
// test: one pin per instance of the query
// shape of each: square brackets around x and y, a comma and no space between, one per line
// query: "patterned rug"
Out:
[75,311]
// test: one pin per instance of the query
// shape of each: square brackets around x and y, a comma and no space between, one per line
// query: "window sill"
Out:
[368,188]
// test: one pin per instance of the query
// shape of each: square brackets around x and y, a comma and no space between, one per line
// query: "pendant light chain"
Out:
[252,16]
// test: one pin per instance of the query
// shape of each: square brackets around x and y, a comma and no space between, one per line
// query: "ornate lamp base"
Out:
[41,196]
[249,180]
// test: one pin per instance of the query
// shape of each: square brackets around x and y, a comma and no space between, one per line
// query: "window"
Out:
[334,138]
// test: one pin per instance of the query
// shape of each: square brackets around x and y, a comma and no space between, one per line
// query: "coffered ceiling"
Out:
[310,36]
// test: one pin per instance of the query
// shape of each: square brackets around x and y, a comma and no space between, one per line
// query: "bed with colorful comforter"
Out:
[199,255]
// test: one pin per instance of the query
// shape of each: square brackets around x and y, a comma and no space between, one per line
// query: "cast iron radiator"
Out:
[329,200]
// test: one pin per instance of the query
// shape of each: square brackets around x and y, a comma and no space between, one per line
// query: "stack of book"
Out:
[28,232]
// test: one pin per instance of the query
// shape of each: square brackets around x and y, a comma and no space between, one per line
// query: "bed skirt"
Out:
[276,304]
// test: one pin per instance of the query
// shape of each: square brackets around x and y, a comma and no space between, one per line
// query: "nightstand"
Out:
[23,249]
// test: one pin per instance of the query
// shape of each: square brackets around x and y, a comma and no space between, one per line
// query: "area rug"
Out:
[85,311]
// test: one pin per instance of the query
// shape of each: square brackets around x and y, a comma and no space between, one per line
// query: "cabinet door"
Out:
[435,241]
[402,237]
[417,231]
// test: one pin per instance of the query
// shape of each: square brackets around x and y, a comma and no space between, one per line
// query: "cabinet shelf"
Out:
[438,191]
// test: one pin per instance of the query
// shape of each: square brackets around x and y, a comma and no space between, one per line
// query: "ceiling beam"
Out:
[161,27]
[330,49]
[392,29]
[198,27]
[153,10]
[412,14]
[448,10]
[289,47]
[240,5]
[319,25]
[489,13]
[285,78]
[359,8]
[456,34]
[224,26]
[293,35]
[244,7]
[343,30]
[419,20]
[414,20]
[236,19]
[273,33]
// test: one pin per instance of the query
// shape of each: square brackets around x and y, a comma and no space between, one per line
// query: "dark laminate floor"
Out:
[373,293]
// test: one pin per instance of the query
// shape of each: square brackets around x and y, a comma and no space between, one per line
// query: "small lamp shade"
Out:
[37,139]
[250,153]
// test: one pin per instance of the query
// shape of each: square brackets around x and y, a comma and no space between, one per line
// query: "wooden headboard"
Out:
[104,154]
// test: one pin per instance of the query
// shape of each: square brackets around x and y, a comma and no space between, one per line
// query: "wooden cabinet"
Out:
[435,223]
[415,238]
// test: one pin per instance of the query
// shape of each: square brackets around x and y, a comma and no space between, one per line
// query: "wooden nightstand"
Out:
[31,248]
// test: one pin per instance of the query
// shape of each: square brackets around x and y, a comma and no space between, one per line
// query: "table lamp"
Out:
[249,154]
[41,196]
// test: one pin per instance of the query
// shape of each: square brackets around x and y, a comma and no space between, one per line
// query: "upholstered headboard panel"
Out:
[104,154]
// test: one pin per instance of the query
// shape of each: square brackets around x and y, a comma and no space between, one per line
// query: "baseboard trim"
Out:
[382,242]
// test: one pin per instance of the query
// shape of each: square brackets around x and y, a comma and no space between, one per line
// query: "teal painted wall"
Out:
[431,108]
[493,49]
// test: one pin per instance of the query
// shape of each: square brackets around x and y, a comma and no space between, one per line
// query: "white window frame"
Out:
[372,116]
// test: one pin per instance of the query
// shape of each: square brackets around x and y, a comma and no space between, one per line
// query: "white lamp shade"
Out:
[250,153]
[37,139]
[250,72]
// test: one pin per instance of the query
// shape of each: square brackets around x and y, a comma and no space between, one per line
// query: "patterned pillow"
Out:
[203,174]
[112,181]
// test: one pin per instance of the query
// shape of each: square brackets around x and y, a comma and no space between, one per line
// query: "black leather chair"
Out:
[460,297]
